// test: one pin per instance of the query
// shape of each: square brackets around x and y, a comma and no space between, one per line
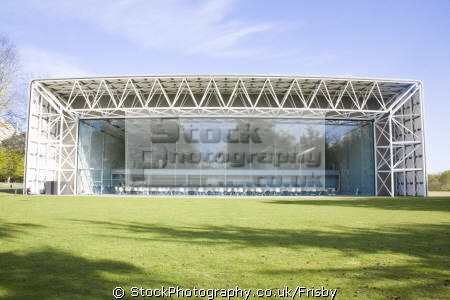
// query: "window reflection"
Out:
[225,157]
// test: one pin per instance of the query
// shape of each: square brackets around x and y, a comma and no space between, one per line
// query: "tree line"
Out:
[439,182]
[11,164]
[12,149]
[12,154]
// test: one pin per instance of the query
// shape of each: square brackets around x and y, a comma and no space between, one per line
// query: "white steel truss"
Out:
[394,106]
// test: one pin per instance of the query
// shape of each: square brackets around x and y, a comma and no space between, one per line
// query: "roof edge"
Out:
[231,76]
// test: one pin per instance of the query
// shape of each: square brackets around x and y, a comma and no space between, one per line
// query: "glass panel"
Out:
[350,158]
[225,157]
[101,156]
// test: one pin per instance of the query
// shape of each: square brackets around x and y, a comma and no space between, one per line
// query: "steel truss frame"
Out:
[394,106]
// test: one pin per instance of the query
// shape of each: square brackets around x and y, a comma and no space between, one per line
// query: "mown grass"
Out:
[83,247]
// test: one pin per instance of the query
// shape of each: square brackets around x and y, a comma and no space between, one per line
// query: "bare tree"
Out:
[12,88]
[8,73]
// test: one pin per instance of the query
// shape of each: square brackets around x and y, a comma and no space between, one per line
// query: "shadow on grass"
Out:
[412,203]
[8,192]
[426,250]
[9,230]
[420,280]
[54,274]
[421,240]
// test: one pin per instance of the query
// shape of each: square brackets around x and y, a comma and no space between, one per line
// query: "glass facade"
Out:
[225,157]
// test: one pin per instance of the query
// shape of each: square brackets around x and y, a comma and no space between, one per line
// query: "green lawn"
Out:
[81,247]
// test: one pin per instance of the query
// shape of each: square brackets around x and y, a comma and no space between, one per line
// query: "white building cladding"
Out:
[394,106]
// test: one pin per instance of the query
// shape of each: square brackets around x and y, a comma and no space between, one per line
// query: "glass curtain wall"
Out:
[225,157]
[101,156]
[349,157]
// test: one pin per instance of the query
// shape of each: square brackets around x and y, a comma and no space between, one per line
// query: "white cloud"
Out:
[201,27]
[36,62]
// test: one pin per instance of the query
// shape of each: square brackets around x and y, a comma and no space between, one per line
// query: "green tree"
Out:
[19,165]
[444,178]
[11,163]
[433,182]
[439,182]
[2,164]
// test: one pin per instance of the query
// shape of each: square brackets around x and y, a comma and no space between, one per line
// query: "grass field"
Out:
[81,247]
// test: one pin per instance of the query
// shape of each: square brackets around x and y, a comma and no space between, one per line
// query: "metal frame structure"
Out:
[394,106]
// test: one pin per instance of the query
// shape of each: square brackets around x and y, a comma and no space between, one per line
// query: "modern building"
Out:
[226,135]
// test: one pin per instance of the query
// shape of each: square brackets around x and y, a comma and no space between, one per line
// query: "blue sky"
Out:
[393,39]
